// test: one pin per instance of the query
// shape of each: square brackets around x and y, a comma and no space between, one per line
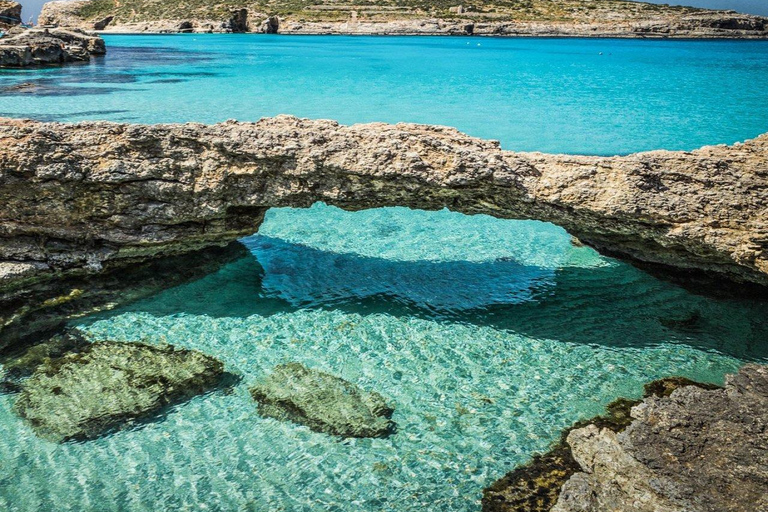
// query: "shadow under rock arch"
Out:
[616,305]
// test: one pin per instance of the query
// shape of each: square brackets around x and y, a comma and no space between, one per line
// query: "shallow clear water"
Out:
[487,336]
[574,96]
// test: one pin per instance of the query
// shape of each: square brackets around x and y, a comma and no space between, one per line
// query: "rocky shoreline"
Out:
[342,19]
[41,47]
[685,447]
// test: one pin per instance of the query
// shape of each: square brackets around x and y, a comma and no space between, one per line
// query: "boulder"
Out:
[322,402]
[107,385]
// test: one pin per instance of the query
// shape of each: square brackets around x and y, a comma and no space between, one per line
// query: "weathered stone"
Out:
[107,385]
[695,450]
[536,486]
[42,47]
[322,402]
[77,197]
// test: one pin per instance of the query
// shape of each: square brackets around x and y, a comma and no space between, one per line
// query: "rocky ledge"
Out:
[39,47]
[79,198]
[684,448]
[323,402]
[83,394]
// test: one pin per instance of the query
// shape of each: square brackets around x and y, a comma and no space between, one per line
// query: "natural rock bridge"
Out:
[92,195]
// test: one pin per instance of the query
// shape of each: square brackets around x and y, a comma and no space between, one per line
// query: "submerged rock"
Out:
[85,394]
[536,486]
[17,365]
[322,402]
[43,46]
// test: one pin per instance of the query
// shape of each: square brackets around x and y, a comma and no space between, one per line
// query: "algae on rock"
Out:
[85,394]
[322,402]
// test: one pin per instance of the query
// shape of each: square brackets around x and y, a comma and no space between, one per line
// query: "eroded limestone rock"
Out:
[696,450]
[43,46]
[106,385]
[322,402]
[78,197]
[536,486]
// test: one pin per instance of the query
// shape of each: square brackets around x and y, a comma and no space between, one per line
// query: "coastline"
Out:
[443,34]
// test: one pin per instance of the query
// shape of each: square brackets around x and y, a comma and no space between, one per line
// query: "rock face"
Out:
[77,198]
[536,486]
[322,402]
[85,394]
[546,18]
[694,451]
[42,47]
[10,14]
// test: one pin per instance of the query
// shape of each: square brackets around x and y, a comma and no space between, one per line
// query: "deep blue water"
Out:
[575,96]
[487,336]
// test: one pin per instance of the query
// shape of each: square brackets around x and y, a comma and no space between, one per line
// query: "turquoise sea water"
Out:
[575,96]
[487,336]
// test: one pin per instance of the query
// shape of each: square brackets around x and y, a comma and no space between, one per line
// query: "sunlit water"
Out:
[574,96]
[487,336]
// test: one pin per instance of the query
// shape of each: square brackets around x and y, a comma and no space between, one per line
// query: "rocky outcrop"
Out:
[536,486]
[10,14]
[44,47]
[106,385]
[694,451]
[77,198]
[543,18]
[322,402]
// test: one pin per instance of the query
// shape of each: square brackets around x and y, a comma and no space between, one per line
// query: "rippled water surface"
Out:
[575,96]
[487,336]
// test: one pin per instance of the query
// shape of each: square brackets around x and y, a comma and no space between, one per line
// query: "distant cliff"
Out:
[10,14]
[557,18]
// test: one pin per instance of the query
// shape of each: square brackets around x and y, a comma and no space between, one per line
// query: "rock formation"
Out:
[536,486]
[694,451]
[322,402]
[78,198]
[548,18]
[10,14]
[84,394]
[39,47]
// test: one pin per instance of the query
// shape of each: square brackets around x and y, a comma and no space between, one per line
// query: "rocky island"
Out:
[547,18]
